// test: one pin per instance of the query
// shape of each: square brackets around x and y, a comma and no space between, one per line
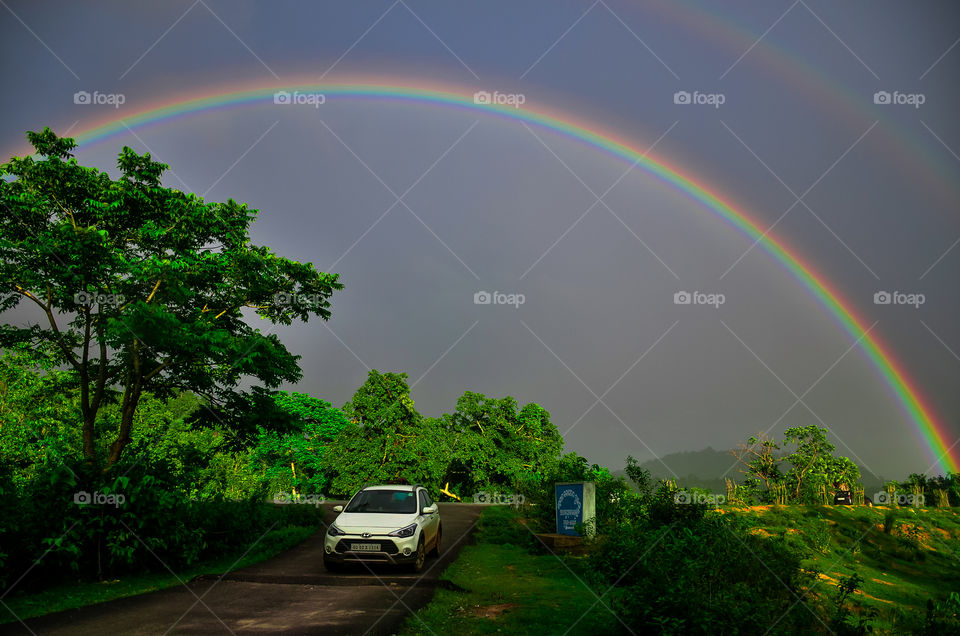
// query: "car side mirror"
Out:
[429,510]
[338,508]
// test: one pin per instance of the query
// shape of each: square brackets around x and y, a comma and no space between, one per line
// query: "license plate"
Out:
[365,547]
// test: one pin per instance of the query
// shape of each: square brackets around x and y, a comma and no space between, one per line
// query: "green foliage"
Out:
[845,620]
[97,525]
[485,444]
[942,617]
[387,440]
[701,576]
[36,406]
[495,443]
[141,287]
[186,494]
[293,461]
[819,537]
[615,502]
[813,473]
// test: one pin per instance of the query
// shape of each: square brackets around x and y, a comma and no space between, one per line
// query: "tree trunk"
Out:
[131,397]
[89,447]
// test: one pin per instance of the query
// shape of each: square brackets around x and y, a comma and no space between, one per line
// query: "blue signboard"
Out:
[569,498]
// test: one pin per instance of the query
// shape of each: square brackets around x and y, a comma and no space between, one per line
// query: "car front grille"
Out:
[384,545]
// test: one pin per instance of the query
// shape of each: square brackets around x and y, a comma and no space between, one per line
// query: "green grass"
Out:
[64,597]
[904,555]
[507,590]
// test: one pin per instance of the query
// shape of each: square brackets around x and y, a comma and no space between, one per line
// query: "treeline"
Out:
[191,485]
[802,468]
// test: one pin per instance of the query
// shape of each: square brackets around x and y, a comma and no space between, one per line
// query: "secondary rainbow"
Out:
[935,436]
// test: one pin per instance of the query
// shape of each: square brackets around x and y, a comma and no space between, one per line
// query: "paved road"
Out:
[290,594]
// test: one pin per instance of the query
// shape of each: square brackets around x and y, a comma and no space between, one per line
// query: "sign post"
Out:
[575,502]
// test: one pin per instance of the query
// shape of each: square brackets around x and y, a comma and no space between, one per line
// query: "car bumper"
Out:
[390,550]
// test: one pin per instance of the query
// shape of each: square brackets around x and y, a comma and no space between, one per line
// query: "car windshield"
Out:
[389,501]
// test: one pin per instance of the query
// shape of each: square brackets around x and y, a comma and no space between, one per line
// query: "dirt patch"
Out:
[872,598]
[826,577]
[881,581]
[492,612]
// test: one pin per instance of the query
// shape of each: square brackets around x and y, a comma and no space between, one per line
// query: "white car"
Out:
[384,524]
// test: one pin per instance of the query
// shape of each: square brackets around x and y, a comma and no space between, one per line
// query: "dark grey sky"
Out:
[496,204]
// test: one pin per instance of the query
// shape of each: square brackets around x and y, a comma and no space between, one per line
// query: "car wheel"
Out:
[420,557]
[331,566]
[435,552]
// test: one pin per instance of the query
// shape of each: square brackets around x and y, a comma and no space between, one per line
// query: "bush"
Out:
[709,576]
[144,522]
[943,617]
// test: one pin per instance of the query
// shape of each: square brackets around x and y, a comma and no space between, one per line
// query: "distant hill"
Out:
[702,469]
[706,468]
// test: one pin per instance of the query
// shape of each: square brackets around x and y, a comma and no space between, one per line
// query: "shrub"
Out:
[942,617]
[154,526]
[705,576]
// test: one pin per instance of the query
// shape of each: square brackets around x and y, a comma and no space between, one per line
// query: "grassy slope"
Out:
[64,597]
[904,555]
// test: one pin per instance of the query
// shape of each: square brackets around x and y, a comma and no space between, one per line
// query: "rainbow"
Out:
[936,438]
[818,87]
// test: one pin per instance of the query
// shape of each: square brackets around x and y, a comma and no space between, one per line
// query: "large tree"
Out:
[387,439]
[495,442]
[811,462]
[141,287]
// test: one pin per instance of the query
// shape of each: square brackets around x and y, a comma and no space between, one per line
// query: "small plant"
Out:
[819,536]
[889,520]
[943,617]
[844,620]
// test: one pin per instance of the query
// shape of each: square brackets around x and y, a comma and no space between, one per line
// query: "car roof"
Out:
[392,487]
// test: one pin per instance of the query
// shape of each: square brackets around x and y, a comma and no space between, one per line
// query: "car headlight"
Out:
[404,533]
[334,531]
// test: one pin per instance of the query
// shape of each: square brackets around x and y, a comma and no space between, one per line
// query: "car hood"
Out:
[376,522]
